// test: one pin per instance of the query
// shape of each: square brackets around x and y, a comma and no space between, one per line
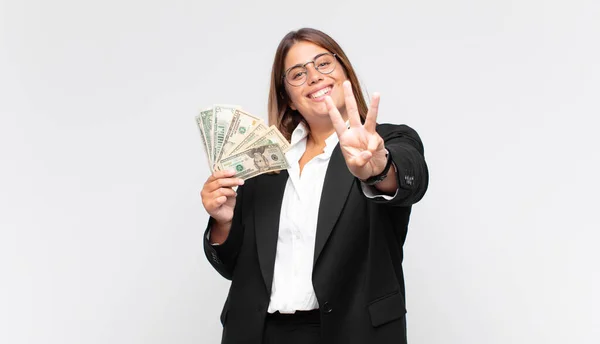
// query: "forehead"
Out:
[301,52]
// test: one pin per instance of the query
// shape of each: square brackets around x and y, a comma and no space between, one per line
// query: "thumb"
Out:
[366,155]
[362,159]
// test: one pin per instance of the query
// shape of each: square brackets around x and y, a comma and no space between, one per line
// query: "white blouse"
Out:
[292,288]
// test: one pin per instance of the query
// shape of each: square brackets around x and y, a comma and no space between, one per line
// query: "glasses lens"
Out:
[296,76]
[325,64]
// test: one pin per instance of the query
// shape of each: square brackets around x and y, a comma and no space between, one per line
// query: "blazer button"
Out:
[326,308]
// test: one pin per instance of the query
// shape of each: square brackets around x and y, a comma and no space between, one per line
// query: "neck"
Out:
[317,139]
[321,129]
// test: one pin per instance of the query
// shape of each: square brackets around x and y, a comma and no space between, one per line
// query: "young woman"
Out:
[314,253]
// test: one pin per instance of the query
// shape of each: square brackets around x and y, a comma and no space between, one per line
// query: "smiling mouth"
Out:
[320,94]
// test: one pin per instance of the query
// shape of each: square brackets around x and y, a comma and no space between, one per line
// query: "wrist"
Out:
[381,176]
[219,232]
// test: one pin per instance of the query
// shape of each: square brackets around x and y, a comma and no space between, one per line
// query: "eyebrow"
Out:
[313,59]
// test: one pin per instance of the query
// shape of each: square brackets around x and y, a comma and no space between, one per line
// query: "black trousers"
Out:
[302,327]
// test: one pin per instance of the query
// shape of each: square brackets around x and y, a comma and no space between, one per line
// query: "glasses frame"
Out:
[284,77]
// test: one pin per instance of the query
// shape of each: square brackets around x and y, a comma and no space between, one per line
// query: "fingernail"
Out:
[241,182]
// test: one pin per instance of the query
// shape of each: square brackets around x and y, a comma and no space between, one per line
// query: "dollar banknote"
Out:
[272,136]
[257,132]
[204,122]
[241,124]
[235,139]
[255,161]
[222,116]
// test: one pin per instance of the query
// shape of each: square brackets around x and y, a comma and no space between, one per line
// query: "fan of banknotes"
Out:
[234,139]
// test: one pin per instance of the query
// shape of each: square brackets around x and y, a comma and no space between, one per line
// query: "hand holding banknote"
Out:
[219,198]
[238,146]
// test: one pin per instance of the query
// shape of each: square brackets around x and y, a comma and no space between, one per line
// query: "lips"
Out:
[320,94]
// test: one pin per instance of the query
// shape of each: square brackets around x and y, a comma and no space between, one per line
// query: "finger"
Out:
[375,143]
[220,174]
[227,192]
[208,197]
[371,121]
[219,201]
[211,204]
[362,159]
[222,183]
[335,116]
[351,107]
[225,183]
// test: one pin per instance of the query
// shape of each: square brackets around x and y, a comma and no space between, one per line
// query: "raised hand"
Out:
[361,146]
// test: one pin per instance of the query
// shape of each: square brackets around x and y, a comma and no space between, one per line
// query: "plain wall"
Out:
[102,163]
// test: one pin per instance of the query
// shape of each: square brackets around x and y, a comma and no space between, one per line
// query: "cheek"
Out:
[297,100]
[295,97]
[339,75]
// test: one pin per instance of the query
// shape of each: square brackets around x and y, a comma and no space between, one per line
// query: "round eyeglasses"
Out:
[324,63]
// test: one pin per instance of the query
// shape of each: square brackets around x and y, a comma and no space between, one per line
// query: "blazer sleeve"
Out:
[406,149]
[224,256]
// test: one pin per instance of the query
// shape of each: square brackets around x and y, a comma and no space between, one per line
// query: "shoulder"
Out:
[389,132]
[386,128]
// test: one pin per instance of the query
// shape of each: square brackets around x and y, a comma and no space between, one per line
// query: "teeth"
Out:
[320,93]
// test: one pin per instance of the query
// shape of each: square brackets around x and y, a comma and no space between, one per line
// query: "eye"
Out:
[324,63]
[297,75]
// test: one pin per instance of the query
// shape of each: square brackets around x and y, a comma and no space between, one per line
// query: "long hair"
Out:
[280,114]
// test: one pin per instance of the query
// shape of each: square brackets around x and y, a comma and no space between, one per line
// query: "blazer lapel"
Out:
[267,211]
[337,185]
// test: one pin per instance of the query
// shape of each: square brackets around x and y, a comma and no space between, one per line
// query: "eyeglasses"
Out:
[324,63]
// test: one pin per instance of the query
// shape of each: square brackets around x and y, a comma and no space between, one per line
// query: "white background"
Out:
[102,163]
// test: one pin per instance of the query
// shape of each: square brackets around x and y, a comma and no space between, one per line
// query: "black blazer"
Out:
[357,273]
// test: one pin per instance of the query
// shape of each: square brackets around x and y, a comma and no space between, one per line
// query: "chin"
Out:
[321,112]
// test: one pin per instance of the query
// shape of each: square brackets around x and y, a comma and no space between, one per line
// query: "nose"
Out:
[312,74]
